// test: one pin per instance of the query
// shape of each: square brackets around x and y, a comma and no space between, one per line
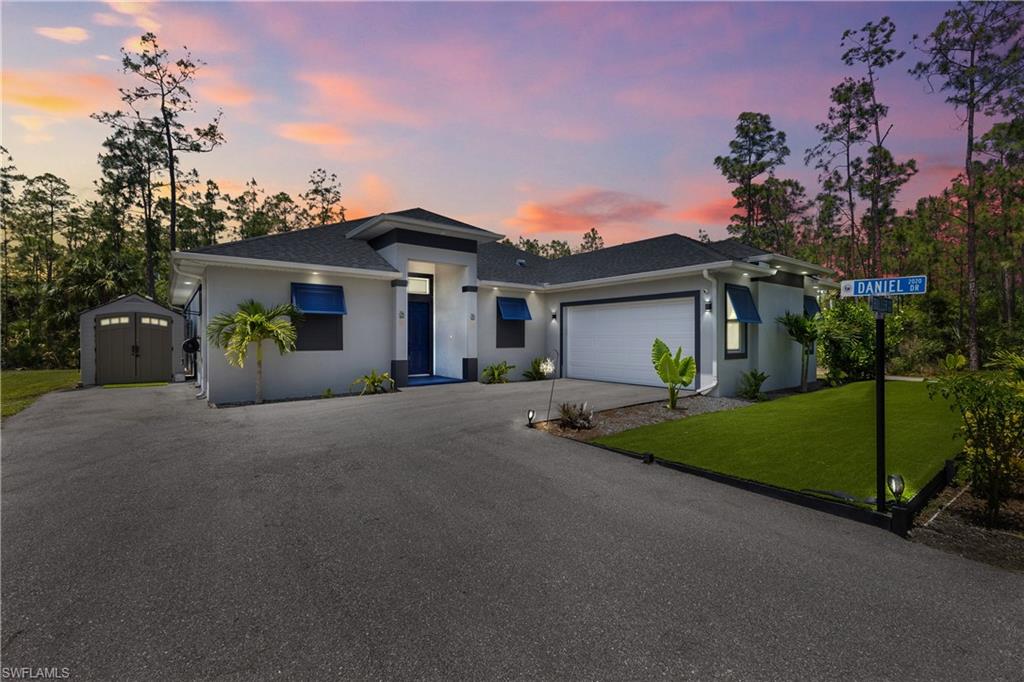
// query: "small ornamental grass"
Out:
[375,382]
[578,416]
[497,373]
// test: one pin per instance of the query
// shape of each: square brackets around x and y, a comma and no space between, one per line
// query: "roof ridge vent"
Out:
[521,262]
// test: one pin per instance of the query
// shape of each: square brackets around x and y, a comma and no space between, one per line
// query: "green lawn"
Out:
[822,441]
[19,389]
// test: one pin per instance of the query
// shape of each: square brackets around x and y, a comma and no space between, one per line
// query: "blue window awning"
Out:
[319,299]
[743,304]
[811,307]
[513,308]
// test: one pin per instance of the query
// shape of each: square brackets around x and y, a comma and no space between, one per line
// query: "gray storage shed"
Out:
[130,340]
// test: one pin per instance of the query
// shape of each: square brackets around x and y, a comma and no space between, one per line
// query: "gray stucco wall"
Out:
[366,330]
[128,304]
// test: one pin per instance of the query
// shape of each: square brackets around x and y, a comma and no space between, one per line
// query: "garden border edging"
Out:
[899,521]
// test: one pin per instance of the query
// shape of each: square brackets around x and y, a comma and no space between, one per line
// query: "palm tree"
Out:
[254,323]
[804,331]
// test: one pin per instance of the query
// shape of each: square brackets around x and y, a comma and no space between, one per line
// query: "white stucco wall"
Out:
[367,327]
[777,353]
[450,320]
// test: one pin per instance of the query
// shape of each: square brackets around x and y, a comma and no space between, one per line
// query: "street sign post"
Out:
[880,289]
[884,286]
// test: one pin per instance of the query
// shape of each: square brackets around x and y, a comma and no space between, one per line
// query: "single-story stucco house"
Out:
[428,297]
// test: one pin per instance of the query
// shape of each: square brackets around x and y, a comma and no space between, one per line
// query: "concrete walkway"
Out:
[428,534]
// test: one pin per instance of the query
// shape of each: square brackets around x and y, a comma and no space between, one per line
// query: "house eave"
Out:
[742,266]
[794,265]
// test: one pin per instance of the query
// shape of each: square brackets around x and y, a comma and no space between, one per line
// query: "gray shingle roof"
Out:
[497,262]
[431,217]
[657,253]
[326,245]
[733,248]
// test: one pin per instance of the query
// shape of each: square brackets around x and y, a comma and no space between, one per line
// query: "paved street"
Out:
[428,534]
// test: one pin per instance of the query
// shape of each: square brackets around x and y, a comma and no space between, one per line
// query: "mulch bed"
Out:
[960,529]
[619,419]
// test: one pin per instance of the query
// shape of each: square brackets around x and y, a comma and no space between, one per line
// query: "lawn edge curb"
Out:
[898,522]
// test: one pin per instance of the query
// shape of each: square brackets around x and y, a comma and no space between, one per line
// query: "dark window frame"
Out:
[744,350]
[508,333]
[319,331]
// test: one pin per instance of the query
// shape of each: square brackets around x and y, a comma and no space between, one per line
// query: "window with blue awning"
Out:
[743,303]
[513,308]
[811,307]
[319,299]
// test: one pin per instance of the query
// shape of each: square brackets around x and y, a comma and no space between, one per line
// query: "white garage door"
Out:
[612,342]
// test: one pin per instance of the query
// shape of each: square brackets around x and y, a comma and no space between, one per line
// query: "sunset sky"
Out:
[538,119]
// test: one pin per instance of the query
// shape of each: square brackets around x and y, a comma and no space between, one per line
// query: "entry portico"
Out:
[434,293]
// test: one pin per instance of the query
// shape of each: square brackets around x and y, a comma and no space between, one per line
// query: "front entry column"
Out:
[470,371]
[400,349]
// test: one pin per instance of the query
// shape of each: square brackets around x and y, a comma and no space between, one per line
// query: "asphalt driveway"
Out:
[428,534]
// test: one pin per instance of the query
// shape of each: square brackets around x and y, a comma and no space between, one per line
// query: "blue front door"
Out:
[421,346]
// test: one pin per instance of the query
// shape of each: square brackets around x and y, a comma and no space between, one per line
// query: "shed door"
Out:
[133,347]
[152,347]
[115,341]
[612,341]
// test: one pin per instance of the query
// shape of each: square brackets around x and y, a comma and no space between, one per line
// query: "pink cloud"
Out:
[584,209]
[107,19]
[314,133]
[219,86]
[713,212]
[64,34]
[371,195]
[58,93]
[352,99]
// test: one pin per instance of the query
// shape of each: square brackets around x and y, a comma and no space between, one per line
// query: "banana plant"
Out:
[676,371]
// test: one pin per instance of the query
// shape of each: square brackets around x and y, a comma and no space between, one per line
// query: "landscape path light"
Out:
[896,486]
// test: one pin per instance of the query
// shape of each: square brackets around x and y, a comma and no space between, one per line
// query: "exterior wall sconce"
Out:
[707,307]
[554,316]
[401,314]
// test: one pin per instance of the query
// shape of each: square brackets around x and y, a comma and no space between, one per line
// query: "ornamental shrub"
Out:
[846,340]
[992,413]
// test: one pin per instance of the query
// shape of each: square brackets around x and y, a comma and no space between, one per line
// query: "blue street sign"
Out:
[884,286]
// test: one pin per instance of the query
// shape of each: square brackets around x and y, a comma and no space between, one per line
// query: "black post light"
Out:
[530,414]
